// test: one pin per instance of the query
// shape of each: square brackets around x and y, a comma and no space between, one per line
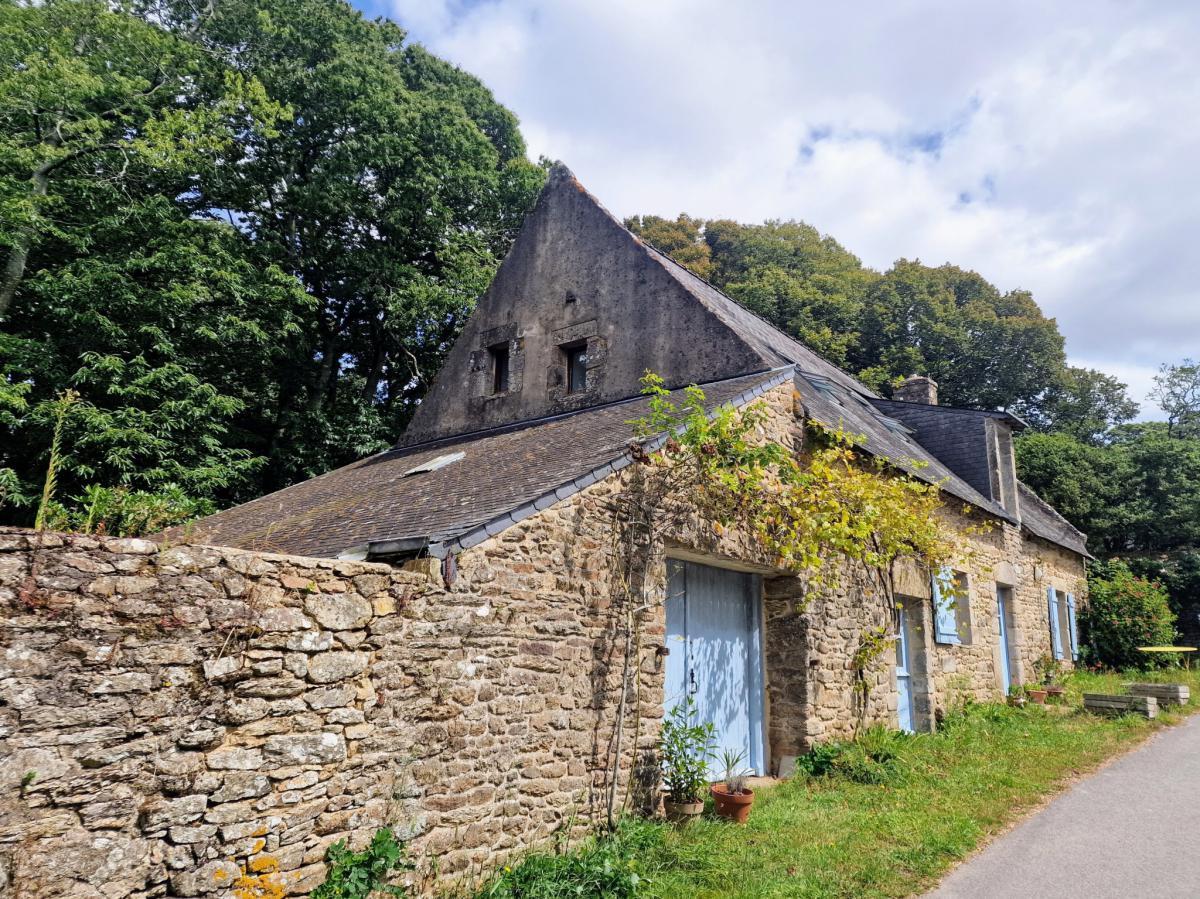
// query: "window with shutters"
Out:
[1064,630]
[952,607]
[1056,615]
[1072,627]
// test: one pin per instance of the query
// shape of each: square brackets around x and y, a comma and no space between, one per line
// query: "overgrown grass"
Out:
[886,817]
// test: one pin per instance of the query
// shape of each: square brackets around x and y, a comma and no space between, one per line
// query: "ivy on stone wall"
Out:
[816,512]
[825,511]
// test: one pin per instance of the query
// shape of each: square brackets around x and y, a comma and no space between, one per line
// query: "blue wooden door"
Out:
[904,691]
[1002,613]
[715,641]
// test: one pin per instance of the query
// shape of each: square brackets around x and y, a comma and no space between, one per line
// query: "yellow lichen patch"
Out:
[264,864]
[263,883]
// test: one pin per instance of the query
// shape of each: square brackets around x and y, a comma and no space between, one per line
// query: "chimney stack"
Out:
[917,389]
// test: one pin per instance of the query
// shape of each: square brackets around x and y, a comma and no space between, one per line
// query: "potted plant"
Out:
[1048,671]
[1035,695]
[732,797]
[684,749]
[1016,696]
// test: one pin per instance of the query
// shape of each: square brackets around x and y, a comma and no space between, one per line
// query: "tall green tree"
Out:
[1083,403]
[984,348]
[246,232]
[163,320]
[681,238]
[390,191]
[1177,392]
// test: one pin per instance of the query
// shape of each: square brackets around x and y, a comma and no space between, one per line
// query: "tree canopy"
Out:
[983,347]
[246,234]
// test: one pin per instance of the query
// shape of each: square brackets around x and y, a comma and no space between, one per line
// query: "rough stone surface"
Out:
[247,709]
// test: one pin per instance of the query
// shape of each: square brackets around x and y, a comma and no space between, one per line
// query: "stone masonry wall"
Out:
[811,682]
[171,717]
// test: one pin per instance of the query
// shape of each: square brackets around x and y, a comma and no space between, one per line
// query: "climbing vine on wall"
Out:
[824,511]
[814,510]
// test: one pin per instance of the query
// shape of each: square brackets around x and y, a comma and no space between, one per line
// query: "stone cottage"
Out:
[531,409]
[432,638]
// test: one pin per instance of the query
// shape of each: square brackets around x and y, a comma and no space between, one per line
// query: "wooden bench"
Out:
[1104,704]
[1166,694]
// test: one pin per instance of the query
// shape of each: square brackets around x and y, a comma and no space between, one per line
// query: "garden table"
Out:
[1182,649]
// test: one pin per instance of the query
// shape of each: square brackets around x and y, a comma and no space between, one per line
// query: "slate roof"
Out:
[1042,520]
[834,406]
[504,475]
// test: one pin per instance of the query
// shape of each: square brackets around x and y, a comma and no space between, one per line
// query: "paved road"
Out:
[1131,830]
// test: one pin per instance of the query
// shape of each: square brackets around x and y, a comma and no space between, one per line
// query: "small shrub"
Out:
[121,512]
[1124,612]
[684,750]
[819,760]
[355,875]
[604,865]
[871,759]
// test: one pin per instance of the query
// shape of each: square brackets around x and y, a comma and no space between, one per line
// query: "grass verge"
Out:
[884,817]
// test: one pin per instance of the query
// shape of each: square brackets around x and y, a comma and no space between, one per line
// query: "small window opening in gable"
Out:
[435,463]
[571,298]
[501,367]
[577,360]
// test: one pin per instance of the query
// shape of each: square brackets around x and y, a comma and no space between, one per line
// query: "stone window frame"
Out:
[584,335]
[483,375]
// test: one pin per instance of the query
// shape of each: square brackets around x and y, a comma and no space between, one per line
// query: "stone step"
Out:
[1166,694]
[1105,704]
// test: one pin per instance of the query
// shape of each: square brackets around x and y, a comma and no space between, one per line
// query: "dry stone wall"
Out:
[172,718]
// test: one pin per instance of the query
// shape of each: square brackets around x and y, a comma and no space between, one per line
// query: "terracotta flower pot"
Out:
[1056,691]
[734,806]
[1038,696]
[682,812]
[1016,701]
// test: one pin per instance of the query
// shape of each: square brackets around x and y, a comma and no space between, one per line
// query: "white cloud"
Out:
[1071,131]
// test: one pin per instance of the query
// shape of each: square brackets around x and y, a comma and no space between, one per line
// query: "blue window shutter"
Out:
[1074,628]
[945,619]
[1055,635]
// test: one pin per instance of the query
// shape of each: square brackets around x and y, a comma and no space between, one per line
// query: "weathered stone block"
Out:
[163,813]
[329,667]
[305,749]
[234,759]
[340,611]
[242,785]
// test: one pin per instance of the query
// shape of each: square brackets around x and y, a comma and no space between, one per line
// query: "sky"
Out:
[1049,146]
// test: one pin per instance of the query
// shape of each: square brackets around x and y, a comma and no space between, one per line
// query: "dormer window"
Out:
[576,367]
[500,368]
